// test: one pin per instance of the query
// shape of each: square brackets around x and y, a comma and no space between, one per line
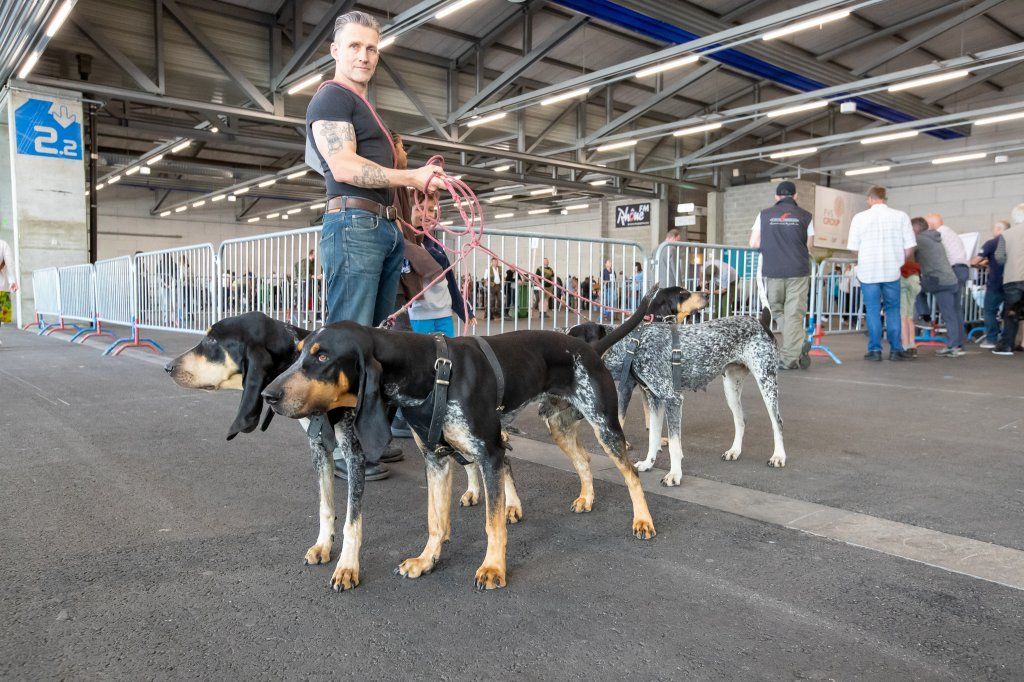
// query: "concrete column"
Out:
[43,184]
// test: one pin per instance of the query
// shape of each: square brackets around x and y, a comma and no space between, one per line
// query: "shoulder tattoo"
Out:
[335,134]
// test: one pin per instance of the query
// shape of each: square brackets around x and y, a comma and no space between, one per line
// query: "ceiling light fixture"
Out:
[180,209]
[806,24]
[866,170]
[703,128]
[890,136]
[267,183]
[386,41]
[145,170]
[616,145]
[199,203]
[111,181]
[538,211]
[241,190]
[503,168]
[472,123]
[454,7]
[59,18]
[232,198]
[564,96]
[219,197]
[132,171]
[273,215]
[500,197]
[959,157]
[928,80]
[316,206]
[177,148]
[803,151]
[999,119]
[293,211]
[665,66]
[100,186]
[507,188]
[598,183]
[808,106]
[305,83]
[297,174]
[546,190]
[253,220]
[577,207]
[154,159]
[165,214]
[501,216]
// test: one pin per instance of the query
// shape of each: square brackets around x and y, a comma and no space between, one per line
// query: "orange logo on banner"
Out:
[834,216]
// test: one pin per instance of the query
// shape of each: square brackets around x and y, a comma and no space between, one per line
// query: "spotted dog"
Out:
[731,347]
[347,363]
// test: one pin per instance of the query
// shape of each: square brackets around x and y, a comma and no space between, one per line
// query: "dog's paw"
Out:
[644,529]
[672,479]
[469,498]
[777,461]
[490,578]
[664,443]
[344,578]
[644,465]
[581,504]
[414,567]
[513,514]
[731,455]
[318,554]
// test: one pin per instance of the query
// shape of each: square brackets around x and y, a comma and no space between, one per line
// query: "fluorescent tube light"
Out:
[386,41]
[818,104]
[199,203]
[546,190]
[132,171]
[272,215]
[305,83]
[503,215]
[704,127]
[538,211]
[598,183]
[577,207]
[241,190]
[180,209]
[890,136]
[219,197]
[297,174]
[999,119]
[502,169]
[165,214]
[472,123]
[111,181]
[268,183]
[316,206]
[665,66]
[454,7]
[616,145]
[293,211]
[806,24]
[253,220]
[803,151]
[866,170]
[59,18]
[177,148]
[500,197]
[154,159]
[100,186]
[564,96]
[29,63]
[959,157]
[928,80]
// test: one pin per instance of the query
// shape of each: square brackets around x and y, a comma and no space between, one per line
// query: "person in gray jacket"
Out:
[1010,253]
[939,280]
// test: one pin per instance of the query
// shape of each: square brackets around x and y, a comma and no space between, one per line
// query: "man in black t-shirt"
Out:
[361,248]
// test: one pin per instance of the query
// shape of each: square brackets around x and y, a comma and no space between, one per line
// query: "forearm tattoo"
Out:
[370,175]
[334,134]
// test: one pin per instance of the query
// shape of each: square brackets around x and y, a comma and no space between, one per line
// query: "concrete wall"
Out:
[968,205]
[741,205]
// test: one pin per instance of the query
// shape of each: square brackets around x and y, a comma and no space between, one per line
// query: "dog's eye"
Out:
[321,358]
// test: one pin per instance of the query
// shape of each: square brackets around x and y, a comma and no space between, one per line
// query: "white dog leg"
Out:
[732,382]
[653,435]
[471,497]
[769,386]
[674,416]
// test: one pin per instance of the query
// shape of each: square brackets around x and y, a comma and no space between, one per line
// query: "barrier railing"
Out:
[277,274]
[728,275]
[176,289]
[46,296]
[116,303]
[602,270]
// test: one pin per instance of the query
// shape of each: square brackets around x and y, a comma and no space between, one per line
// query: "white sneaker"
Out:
[986,345]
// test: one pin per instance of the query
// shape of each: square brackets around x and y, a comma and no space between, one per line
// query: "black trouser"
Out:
[1013,292]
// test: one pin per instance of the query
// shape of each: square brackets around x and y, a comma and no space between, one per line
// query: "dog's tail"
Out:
[631,323]
[765,318]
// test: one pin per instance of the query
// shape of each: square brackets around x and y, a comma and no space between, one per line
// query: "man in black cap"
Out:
[784,235]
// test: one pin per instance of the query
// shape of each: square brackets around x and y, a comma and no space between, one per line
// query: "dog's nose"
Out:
[273,396]
[169,367]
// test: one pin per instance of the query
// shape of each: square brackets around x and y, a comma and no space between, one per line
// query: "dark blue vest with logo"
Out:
[784,240]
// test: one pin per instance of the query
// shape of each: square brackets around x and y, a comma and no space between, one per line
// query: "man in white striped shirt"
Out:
[883,239]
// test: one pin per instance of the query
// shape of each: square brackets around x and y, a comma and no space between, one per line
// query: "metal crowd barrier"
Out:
[46,297]
[176,289]
[728,276]
[278,274]
[609,271]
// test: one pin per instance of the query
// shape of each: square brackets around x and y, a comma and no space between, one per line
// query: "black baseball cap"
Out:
[785,189]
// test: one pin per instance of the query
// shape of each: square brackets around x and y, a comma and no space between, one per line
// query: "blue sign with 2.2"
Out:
[46,128]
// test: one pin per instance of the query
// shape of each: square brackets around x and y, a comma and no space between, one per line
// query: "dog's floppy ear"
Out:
[266,419]
[256,371]
[373,429]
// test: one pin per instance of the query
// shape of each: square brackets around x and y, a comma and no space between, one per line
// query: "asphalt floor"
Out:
[137,543]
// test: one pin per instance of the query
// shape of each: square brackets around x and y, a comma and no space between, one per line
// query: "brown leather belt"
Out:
[381,211]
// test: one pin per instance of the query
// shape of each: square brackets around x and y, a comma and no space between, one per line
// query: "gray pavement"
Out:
[138,543]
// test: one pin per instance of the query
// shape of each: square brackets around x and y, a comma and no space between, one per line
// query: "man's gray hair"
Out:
[356,17]
[1017,215]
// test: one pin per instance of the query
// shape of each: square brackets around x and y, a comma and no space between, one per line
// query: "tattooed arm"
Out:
[336,140]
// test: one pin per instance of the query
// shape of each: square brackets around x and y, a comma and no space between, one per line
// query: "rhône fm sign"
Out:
[633,215]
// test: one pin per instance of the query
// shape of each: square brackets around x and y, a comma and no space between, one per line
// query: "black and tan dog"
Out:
[347,363]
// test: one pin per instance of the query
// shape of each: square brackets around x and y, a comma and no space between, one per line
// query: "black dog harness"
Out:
[677,359]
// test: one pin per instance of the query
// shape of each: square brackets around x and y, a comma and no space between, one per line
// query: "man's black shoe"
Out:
[874,356]
[901,355]
[1002,349]
[400,427]
[374,472]
[392,453]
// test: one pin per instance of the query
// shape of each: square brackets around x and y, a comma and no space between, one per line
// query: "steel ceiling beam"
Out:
[312,43]
[884,32]
[552,124]
[927,35]
[521,65]
[201,39]
[977,79]
[745,8]
[415,99]
[107,47]
[492,34]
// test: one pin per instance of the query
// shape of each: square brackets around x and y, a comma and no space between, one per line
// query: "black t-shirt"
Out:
[335,103]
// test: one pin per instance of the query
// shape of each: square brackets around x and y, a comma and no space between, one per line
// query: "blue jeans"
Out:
[445,325]
[993,299]
[361,255]
[874,295]
[946,300]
